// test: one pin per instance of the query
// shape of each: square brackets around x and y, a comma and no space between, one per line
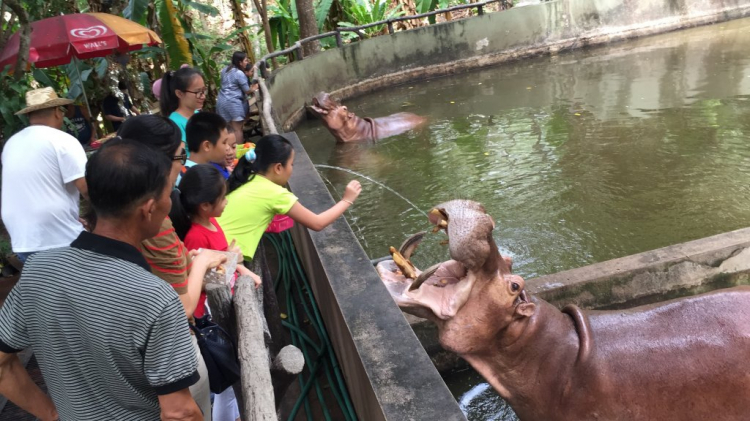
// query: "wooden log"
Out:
[257,392]
[285,368]
[220,302]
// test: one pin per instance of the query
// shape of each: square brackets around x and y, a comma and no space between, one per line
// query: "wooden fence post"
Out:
[257,396]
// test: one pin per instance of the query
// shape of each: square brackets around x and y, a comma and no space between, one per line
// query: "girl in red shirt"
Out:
[202,198]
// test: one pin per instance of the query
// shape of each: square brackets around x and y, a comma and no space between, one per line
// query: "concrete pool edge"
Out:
[693,267]
[481,41]
[387,373]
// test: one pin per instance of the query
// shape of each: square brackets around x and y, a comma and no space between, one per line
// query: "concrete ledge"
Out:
[388,374]
[695,267]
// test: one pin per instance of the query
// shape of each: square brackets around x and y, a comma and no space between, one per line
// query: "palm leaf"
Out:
[424,6]
[173,34]
[321,12]
[136,10]
[203,8]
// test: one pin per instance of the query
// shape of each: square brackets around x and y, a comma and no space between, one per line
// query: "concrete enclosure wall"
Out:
[481,41]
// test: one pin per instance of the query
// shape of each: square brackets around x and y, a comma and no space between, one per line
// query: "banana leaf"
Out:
[173,34]
[137,11]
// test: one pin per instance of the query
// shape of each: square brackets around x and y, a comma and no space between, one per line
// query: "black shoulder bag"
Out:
[217,348]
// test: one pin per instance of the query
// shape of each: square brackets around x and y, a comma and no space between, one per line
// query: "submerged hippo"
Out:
[685,359]
[347,127]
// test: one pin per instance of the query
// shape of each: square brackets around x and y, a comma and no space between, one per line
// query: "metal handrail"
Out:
[261,67]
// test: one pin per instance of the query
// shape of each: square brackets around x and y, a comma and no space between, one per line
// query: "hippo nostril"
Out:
[514,286]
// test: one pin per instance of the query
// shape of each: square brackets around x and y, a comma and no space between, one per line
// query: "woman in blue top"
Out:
[232,102]
[182,95]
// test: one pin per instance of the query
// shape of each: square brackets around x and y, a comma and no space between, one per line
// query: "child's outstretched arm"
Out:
[317,222]
[243,271]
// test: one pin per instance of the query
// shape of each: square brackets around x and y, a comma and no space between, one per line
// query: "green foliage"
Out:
[321,12]
[284,23]
[12,99]
[363,12]
[173,34]
[200,7]
[137,11]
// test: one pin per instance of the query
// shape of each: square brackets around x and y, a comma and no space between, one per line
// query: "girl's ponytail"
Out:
[270,150]
[179,215]
[243,172]
[168,101]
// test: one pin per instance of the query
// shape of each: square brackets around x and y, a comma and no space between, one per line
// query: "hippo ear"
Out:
[525,310]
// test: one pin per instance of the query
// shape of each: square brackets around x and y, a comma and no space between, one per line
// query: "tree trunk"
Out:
[24,31]
[239,21]
[262,5]
[307,26]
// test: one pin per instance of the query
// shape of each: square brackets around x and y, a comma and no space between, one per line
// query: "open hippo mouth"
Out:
[443,289]
[322,103]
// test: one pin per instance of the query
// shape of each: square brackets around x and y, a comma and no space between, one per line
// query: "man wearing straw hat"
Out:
[43,170]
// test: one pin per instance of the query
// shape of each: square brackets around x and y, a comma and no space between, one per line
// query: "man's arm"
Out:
[179,406]
[17,386]
[113,117]
[82,187]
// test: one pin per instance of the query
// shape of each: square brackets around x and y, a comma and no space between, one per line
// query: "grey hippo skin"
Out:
[685,359]
[347,127]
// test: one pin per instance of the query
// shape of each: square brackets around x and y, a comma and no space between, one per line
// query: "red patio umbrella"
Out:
[57,40]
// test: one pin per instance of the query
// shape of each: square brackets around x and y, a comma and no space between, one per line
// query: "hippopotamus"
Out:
[684,359]
[347,127]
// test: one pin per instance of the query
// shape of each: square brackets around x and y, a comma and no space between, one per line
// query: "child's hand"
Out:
[234,248]
[353,189]
[246,272]
[207,259]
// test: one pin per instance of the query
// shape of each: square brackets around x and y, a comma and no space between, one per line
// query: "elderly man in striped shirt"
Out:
[111,338]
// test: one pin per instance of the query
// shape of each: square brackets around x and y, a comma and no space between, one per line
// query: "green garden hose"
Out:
[317,349]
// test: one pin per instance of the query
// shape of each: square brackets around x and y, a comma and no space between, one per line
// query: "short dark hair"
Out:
[203,126]
[201,183]
[122,174]
[122,85]
[153,130]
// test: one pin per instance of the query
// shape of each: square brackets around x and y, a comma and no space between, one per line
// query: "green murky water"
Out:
[580,158]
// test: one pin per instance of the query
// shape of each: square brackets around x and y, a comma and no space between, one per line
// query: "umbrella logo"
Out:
[90,32]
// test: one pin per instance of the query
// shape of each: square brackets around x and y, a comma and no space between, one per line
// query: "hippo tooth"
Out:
[424,276]
[410,244]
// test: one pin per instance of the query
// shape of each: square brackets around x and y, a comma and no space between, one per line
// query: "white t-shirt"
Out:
[39,196]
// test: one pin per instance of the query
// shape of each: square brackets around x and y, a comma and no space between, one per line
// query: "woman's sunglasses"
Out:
[182,157]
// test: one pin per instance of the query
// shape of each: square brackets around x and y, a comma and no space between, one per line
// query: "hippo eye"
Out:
[514,286]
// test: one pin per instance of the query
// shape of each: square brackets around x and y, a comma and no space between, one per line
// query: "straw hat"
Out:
[39,99]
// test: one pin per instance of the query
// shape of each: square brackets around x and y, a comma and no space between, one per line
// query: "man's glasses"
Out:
[182,157]
[198,94]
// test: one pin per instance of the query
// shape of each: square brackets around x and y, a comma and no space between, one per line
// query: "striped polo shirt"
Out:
[167,257]
[109,336]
